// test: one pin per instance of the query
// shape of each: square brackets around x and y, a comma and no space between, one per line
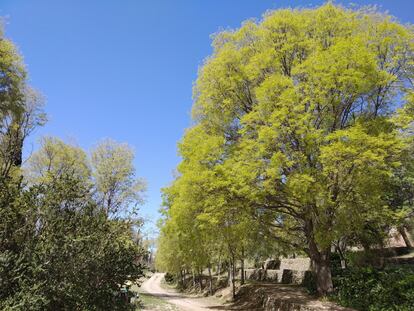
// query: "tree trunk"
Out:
[210,279]
[242,267]
[405,237]
[229,273]
[341,251]
[16,143]
[181,278]
[219,270]
[322,271]
[321,265]
[200,278]
[242,271]
[233,276]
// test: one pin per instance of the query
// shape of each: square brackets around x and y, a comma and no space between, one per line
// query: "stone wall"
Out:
[299,264]
[278,297]
[292,271]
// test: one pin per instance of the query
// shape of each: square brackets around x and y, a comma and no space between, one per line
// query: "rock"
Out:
[272,275]
[287,276]
[272,264]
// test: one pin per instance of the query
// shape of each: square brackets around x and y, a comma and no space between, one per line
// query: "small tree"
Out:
[117,187]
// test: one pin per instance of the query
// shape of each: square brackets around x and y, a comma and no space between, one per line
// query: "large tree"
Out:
[303,105]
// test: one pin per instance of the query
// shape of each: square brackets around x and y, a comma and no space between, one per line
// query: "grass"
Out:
[150,302]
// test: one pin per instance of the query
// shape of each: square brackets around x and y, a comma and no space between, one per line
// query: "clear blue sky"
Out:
[124,68]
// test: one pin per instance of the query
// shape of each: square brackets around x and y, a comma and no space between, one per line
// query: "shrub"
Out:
[376,290]
[169,278]
[60,251]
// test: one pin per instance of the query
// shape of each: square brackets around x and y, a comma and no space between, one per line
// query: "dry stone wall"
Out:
[291,271]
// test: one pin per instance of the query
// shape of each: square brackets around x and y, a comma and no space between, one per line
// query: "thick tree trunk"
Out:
[321,269]
[321,264]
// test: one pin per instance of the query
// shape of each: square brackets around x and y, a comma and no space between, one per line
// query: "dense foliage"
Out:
[59,251]
[67,232]
[376,290]
[302,131]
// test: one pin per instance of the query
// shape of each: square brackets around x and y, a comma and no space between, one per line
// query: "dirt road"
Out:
[186,303]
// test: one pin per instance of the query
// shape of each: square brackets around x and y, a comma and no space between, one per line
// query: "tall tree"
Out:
[20,107]
[302,105]
[117,186]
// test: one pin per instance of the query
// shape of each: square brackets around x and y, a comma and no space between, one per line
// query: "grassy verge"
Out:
[153,303]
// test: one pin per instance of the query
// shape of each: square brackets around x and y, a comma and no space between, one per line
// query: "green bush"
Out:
[60,251]
[169,278]
[376,290]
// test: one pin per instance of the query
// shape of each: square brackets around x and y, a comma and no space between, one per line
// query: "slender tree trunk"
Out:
[242,271]
[242,267]
[16,143]
[219,270]
[342,257]
[405,237]
[210,279]
[194,278]
[200,278]
[233,276]
[182,278]
[229,273]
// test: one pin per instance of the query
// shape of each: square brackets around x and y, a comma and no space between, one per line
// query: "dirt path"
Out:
[186,303]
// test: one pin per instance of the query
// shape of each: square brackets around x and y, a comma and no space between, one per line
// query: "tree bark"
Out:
[341,251]
[229,273]
[194,279]
[233,276]
[200,278]
[182,278]
[242,281]
[210,279]
[321,264]
[405,237]
[321,269]
[219,270]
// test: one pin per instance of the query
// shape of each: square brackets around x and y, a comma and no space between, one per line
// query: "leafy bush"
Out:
[169,278]
[60,251]
[376,290]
